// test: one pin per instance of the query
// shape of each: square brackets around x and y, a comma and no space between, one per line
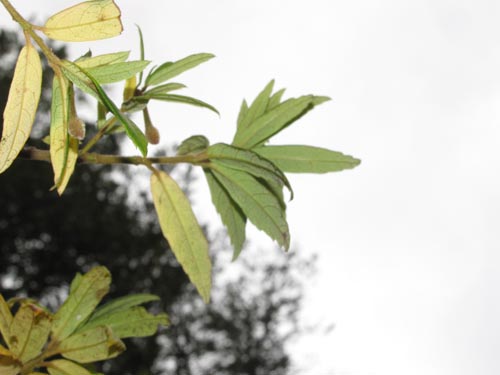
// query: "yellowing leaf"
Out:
[90,20]
[21,106]
[181,229]
[8,364]
[5,319]
[64,367]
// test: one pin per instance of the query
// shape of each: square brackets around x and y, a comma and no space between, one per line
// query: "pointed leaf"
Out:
[243,113]
[20,110]
[92,345]
[141,47]
[163,89]
[64,367]
[29,331]
[121,304]
[74,74]
[172,69]
[258,107]
[307,159]
[193,145]
[258,203]
[117,72]
[5,320]
[231,214]
[106,59]
[181,229]
[179,99]
[275,100]
[85,296]
[90,20]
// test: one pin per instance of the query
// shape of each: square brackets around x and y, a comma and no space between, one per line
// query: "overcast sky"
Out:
[408,242]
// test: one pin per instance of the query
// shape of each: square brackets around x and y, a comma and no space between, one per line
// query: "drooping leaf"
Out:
[20,110]
[132,322]
[262,207]
[106,59]
[179,99]
[172,69]
[117,72]
[181,229]
[90,20]
[5,319]
[193,145]
[163,89]
[121,304]
[231,214]
[65,367]
[92,345]
[307,159]
[29,331]
[85,296]
[272,122]
[258,107]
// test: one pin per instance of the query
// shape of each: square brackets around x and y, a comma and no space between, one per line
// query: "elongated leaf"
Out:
[132,322]
[170,70]
[65,367]
[275,99]
[274,121]
[29,331]
[85,296]
[181,229]
[117,72]
[193,145]
[74,74]
[258,107]
[9,365]
[247,161]
[179,99]
[243,113]
[92,345]
[257,202]
[307,159]
[90,20]
[231,214]
[106,59]
[21,106]
[5,319]
[163,89]
[121,304]
[142,50]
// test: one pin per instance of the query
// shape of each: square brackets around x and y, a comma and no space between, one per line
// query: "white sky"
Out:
[408,242]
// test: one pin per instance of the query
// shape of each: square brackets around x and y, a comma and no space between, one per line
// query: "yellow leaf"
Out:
[90,20]
[64,367]
[21,106]
[5,319]
[181,229]
[9,365]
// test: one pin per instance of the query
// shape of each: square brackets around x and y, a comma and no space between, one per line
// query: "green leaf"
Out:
[74,74]
[231,214]
[122,303]
[5,319]
[274,121]
[181,229]
[117,72]
[29,331]
[22,103]
[85,296]
[179,99]
[307,159]
[193,145]
[92,345]
[243,113]
[141,47]
[64,367]
[90,20]
[170,70]
[162,89]
[132,322]
[106,59]
[75,283]
[262,207]
[275,100]
[258,107]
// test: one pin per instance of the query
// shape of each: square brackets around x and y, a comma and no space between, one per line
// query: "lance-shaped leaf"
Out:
[5,319]
[121,304]
[85,296]
[275,120]
[257,108]
[132,322]
[106,59]
[90,20]
[20,110]
[170,70]
[92,345]
[193,145]
[117,72]
[307,159]
[181,229]
[231,214]
[163,89]
[29,331]
[63,148]
[275,99]
[262,207]
[247,161]
[65,367]
[178,99]
[75,74]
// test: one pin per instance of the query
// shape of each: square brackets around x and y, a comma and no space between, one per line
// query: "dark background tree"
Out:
[46,239]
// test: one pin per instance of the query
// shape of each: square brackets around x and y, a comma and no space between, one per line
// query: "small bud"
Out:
[152,134]
[76,128]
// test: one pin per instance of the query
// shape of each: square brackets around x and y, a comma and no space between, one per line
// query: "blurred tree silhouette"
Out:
[46,239]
